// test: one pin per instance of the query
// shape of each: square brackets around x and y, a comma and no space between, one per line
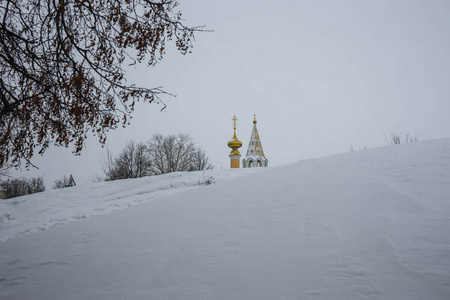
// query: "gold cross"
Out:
[254,116]
[234,121]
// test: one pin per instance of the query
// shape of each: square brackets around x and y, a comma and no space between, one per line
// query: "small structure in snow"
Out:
[64,182]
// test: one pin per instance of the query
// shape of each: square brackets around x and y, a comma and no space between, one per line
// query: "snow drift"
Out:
[369,224]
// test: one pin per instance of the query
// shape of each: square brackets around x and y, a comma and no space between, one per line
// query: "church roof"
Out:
[255,148]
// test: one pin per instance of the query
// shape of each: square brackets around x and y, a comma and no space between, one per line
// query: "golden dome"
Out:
[234,144]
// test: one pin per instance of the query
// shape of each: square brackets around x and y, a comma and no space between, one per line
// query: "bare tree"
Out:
[132,162]
[162,154]
[412,137]
[107,165]
[396,138]
[200,161]
[142,161]
[61,68]
[176,153]
[37,184]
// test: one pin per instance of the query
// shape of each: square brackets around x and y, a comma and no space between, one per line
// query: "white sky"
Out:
[320,76]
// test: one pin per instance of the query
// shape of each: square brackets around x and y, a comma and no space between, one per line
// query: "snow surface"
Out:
[24,215]
[370,224]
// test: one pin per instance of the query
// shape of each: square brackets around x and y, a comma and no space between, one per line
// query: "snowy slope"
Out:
[23,215]
[370,224]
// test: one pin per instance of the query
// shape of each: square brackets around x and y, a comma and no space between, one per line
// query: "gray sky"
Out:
[320,76]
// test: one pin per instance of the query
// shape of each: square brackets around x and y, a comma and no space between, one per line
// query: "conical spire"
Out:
[255,154]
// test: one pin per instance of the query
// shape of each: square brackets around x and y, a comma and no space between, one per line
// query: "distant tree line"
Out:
[160,155]
[15,187]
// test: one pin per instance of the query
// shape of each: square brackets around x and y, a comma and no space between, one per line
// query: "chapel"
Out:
[255,154]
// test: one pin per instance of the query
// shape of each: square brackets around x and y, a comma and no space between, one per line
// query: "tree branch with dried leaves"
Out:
[62,68]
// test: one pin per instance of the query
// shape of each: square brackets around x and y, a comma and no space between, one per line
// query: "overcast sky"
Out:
[321,76]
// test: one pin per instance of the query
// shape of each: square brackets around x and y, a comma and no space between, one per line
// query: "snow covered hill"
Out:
[370,224]
[23,215]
